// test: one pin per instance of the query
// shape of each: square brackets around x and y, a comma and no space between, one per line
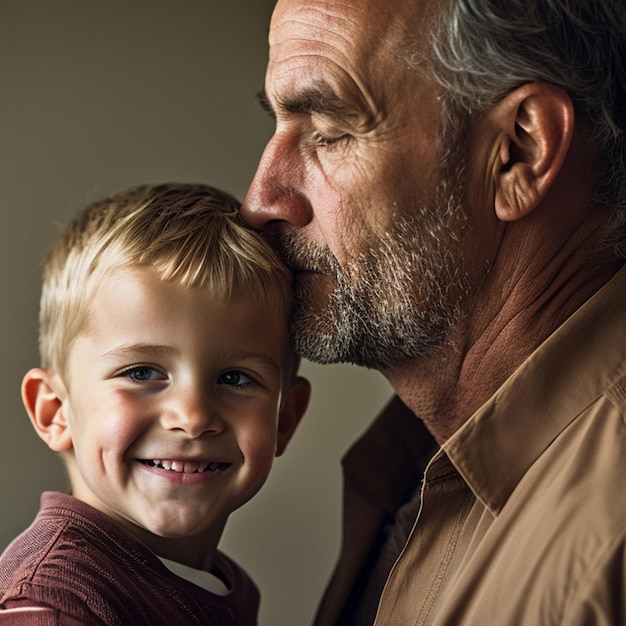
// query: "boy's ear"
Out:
[43,393]
[293,407]
[536,123]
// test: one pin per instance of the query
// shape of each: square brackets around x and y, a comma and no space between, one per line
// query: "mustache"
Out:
[301,255]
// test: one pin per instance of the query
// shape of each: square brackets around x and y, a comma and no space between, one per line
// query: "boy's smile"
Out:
[171,406]
[185,471]
[187,467]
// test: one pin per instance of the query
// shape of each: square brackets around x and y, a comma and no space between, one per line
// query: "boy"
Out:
[168,386]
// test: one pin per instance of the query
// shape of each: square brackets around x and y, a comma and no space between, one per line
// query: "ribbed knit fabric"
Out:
[89,570]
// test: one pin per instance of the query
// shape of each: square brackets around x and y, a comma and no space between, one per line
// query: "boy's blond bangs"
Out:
[189,234]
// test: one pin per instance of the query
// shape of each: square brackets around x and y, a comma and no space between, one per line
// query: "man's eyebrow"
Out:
[316,99]
[264,101]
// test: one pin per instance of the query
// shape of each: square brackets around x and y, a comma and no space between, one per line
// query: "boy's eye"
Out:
[234,377]
[142,373]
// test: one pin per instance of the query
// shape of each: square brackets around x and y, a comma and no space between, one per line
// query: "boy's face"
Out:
[172,404]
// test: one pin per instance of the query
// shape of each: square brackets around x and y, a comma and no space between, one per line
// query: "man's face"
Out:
[353,187]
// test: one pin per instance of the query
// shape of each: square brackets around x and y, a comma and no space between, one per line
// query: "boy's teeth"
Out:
[185,467]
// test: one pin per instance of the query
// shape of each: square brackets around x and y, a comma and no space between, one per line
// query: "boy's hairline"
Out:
[86,244]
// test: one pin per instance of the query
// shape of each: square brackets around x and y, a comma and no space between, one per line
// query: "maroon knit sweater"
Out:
[84,568]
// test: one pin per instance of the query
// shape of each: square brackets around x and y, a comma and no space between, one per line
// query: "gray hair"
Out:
[483,49]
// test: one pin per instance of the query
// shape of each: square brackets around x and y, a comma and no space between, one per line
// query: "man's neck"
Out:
[507,320]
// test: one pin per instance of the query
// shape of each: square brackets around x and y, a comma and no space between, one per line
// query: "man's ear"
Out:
[536,123]
[43,393]
[293,407]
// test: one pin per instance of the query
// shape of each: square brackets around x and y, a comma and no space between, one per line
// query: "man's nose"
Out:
[276,199]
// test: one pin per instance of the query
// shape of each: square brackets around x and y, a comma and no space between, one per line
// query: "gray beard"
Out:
[395,301]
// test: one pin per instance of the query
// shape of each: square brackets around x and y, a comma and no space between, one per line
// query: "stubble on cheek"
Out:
[395,300]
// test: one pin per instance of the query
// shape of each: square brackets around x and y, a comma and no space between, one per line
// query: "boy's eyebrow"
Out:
[143,349]
[260,357]
[140,349]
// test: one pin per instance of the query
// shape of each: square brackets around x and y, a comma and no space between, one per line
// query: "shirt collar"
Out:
[572,368]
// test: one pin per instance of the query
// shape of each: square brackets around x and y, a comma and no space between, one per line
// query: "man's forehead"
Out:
[351,22]
[339,58]
[312,20]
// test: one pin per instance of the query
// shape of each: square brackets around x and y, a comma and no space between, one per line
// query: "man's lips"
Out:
[185,467]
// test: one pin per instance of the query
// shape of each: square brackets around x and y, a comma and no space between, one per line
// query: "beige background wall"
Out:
[95,97]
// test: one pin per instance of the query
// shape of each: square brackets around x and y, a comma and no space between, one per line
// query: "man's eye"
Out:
[142,374]
[235,378]
[325,141]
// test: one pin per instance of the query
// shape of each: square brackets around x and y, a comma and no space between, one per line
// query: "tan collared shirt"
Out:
[523,513]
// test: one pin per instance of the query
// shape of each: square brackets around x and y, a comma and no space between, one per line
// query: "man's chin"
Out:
[314,334]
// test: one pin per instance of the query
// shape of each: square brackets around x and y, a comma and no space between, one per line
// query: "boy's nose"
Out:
[193,414]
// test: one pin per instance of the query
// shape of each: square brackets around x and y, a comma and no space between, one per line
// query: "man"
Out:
[447,179]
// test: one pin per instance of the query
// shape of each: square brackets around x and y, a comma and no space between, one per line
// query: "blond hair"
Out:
[188,233]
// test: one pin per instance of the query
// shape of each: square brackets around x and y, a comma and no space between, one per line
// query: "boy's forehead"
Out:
[136,300]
